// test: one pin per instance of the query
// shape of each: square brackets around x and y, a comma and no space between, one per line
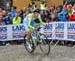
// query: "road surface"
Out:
[18,53]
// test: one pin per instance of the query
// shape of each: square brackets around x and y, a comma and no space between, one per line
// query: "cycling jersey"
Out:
[29,21]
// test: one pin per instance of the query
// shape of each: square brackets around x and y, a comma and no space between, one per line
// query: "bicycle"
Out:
[41,40]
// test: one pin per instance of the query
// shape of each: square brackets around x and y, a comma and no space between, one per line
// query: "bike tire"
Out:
[45,41]
[25,45]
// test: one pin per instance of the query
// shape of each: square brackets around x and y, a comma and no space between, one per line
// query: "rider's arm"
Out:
[29,23]
[42,23]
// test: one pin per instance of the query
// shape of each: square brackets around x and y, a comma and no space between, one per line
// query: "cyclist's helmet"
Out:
[36,10]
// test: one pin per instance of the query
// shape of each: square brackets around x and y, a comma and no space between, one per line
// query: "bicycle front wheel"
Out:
[45,46]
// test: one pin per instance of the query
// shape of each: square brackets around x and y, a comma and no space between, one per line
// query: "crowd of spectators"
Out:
[65,12]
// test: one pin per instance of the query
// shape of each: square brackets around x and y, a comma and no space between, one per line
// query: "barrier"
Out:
[53,30]
[12,32]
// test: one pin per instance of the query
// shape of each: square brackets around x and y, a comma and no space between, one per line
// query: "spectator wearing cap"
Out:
[17,19]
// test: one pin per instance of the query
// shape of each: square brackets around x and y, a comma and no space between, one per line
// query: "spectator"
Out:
[57,11]
[0,10]
[52,9]
[17,19]
[4,13]
[21,14]
[42,6]
[46,16]
[71,16]
[13,12]
[69,7]
[31,10]
[62,15]
[1,20]
[8,20]
[73,9]
[33,5]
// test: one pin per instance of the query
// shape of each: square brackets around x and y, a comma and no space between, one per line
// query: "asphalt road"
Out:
[18,53]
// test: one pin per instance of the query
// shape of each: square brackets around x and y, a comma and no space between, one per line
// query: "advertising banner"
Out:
[53,30]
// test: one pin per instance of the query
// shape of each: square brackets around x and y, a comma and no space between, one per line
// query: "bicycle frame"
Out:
[37,35]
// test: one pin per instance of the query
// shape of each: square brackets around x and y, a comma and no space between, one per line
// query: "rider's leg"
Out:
[29,35]
[29,39]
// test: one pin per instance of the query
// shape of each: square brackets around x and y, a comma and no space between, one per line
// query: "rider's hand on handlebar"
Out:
[35,27]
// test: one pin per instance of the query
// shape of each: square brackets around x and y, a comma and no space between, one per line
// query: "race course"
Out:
[18,53]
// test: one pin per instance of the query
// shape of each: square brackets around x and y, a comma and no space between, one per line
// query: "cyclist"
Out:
[29,22]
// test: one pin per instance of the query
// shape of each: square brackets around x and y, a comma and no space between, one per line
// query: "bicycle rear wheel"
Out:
[45,46]
[28,45]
